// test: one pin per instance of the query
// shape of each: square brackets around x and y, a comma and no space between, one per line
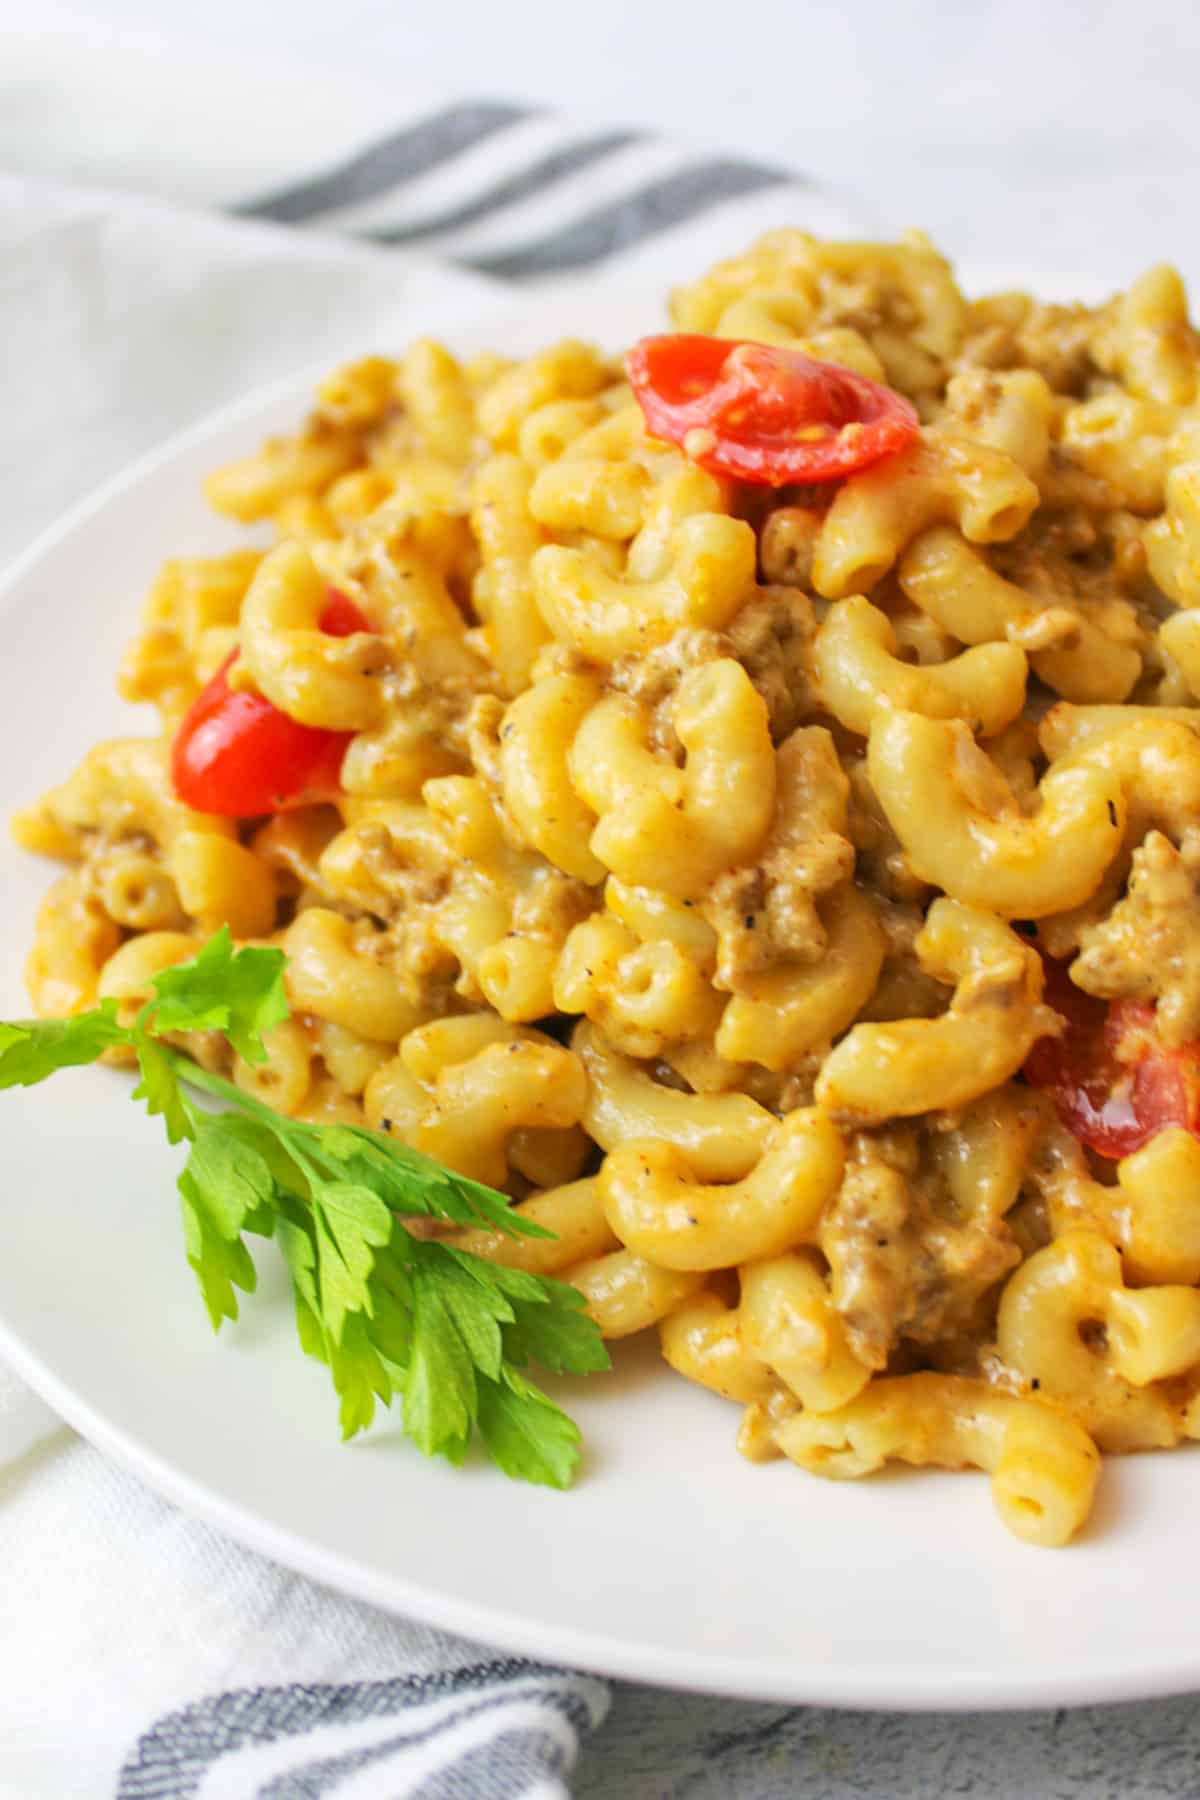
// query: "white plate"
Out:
[672,1560]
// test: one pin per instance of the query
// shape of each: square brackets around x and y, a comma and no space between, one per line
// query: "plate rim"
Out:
[575,1649]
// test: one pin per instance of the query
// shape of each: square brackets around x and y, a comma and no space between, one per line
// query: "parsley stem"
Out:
[218,1085]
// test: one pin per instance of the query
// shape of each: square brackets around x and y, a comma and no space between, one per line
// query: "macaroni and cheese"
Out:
[787,891]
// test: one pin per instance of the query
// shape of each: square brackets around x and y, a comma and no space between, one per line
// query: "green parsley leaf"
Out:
[360,1377]
[390,1324]
[358,1368]
[238,992]
[262,1135]
[440,1398]
[300,1255]
[558,1334]
[412,1182]
[389,1312]
[159,1087]
[221,1263]
[352,1222]
[477,1309]
[550,1324]
[526,1435]
[29,1052]
[234,1180]
[462,1369]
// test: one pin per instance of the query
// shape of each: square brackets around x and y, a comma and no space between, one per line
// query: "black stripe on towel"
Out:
[174,1757]
[621,223]
[511,1763]
[388,162]
[533,180]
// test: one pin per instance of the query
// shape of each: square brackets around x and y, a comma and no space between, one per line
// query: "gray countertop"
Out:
[718,1749]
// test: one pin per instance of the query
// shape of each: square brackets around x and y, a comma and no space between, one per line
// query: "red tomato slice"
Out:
[764,414]
[1114,1082]
[237,755]
[341,618]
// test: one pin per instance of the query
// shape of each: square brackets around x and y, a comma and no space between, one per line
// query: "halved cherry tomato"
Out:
[340,617]
[237,755]
[1113,1080]
[765,414]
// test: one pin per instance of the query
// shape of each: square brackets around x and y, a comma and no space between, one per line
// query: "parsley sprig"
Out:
[391,1314]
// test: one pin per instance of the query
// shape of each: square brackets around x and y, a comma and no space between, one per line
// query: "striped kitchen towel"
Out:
[504,1729]
[523,195]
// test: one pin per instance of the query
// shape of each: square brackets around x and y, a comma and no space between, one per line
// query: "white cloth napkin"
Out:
[123,319]
[150,1657]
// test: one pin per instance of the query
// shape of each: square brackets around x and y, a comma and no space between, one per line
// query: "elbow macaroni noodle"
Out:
[695,844]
